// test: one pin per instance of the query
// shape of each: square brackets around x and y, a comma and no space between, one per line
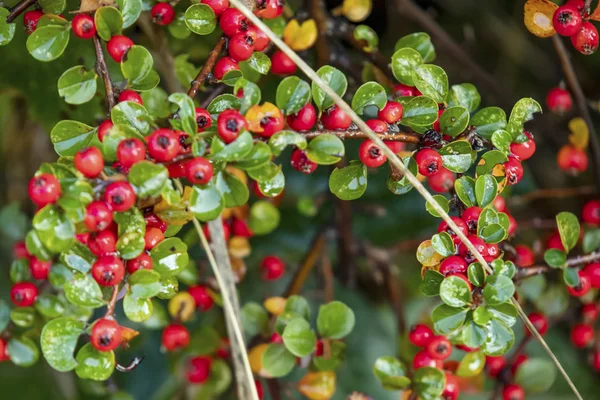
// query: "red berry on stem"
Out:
[230,124]
[442,181]
[108,270]
[117,46]
[539,321]
[371,155]
[391,113]
[232,21]
[272,268]
[98,216]
[152,237]
[452,387]
[479,245]
[199,171]
[514,170]
[439,348]
[304,119]
[31,19]
[401,90]
[175,337]
[572,160]
[162,13]
[89,162]
[462,226]
[103,243]
[420,335]
[471,216]
[198,369]
[592,271]
[591,212]
[83,26]
[429,161]
[559,100]
[301,163]
[119,196]
[525,150]
[130,95]
[269,9]
[202,298]
[104,128]
[582,335]
[493,365]
[584,285]
[589,313]
[23,294]
[452,265]
[586,39]
[513,392]
[143,261]
[567,20]
[106,334]
[44,189]
[335,119]
[39,269]
[524,256]
[224,65]
[163,145]
[282,64]
[203,119]
[423,359]
[218,6]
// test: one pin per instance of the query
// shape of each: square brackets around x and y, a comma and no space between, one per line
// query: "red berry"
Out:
[554,242]
[436,125]
[281,64]
[4,356]
[377,125]
[567,20]
[539,321]
[420,335]
[230,124]
[391,113]
[584,285]
[83,238]
[119,196]
[83,26]
[89,162]
[513,392]
[371,155]
[131,95]
[271,124]
[452,387]
[269,9]
[395,146]
[152,237]
[276,338]
[429,161]
[514,170]
[595,360]
[499,203]
[586,39]
[559,100]
[20,250]
[198,369]
[591,212]
[521,358]
[261,40]
[39,269]
[44,189]
[152,221]
[442,181]
[512,225]
[439,348]
[218,6]
[471,216]
[108,270]
[453,264]
[162,13]
[589,313]
[163,145]
[304,119]
[259,389]
[423,359]
[572,160]
[582,335]
[462,226]
[320,350]
[143,261]
[241,46]
[103,243]
[300,162]
[106,334]
[175,337]
[494,365]
[493,252]
[131,151]
[592,271]
[401,90]
[104,128]
[524,256]
[232,21]
[479,244]
[176,170]
[335,119]
[203,119]
[117,46]
[98,216]
[224,65]
[272,268]
[523,151]
[202,298]
[23,294]
[199,171]
[31,19]
[240,228]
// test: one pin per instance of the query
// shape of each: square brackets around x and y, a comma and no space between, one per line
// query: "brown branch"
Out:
[307,265]
[18,9]
[319,14]
[553,193]
[110,306]
[327,277]
[102,70]
[571,263]
[207,68]
[575,86]
[357,134]
[274,388]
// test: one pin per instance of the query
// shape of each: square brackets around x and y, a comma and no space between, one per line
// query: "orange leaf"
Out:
[255,357]
[239,247]
[318,385]
[182,306]
[275,305]
[427,255]
[580,134]
[300,37]
[538,17]
[596,14]
[256,114]
[127,333]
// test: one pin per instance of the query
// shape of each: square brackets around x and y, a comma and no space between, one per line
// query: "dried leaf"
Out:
[538,17]
[580,134]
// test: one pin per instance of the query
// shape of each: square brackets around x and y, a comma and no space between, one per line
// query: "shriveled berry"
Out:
[524,256]
[582,335]
[282,64]
[23,294]
[106,334]
[567,20]
[143,261]
[335,119]
[108,270]
[586,39]
[44,189]
[119,196]
[198,369]
[514,171]
[31,19]
[83,26]
[224,65]
[175,337]
[300,162]
[429,161]
[442,181]
[371,155]
[162,13]
[117,46]
[202,298]
[230,124]
[462,226]
[39,268]
[439,348]
[453,264]
[559,100]
[304,119]
[539,321]
[420,335]
[163,145]
[391,113]
[272,268]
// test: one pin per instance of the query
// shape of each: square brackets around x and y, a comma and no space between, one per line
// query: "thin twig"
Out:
[552,193]
[110,306]
[307,265]
[207,68]
[327,277]
[102,70]
[18,9]
[274,388]
[357,134]
[575,86]
[571,263]
[319,14]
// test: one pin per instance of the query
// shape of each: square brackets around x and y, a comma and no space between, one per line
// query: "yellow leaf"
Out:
[357,10]
[300,37]
[256,114]
[580,134]
[255,356]
[238,267]
[318,385]
[427,255]
[239,247]
[538,17]
[182,306]
[238,173]
[275,305]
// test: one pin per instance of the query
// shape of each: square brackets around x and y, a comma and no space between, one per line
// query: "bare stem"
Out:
[571,263]
[357,134]
[102,70]
[307,265]
[18,9]
[112,303]
[207,68]
[553,193]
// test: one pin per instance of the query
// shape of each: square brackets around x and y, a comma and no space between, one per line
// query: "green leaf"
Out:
[555,258]
[184,70]
[471,365]
[35,247]
[391,372]
[20,271]
[131,10]
[403,185]
[137,309]
[465,95]
[447,319]
[429,383]
[78,257]
[535,375]
[486,189]
[442,201]
[68,137]
[235,193]
[77,85]
[298,338]
[258,62]
[299,305]
[568,228]
[148,178]
[481,316]
[591,240]
[277,361]
[234,151]
[523,111]
[325,149]
[432,81]
[52,6]
[489,160]
[201,19]
[144,284]
[430,285]
[454,121]
[279,141]
[259,155]
[4,315]
[274,186]
[187,112]
[23,317]
[54,229]
[206,202]
[335,79]
[501,140]
[335,320]
[58,341]
[84,291]
[455,292]
[421,42]
[457,156]
[505,313]
[443,244]
[571,277]
[420,111]
[133,115]
[404,62]
[370,93]
[349,182]
[292,94]
[178,28]
[465,190]
[476,274]
[7,31]
[255,319]
[493,233]
[109,22]
[368,35]
[324,363]
[223,102]
[264,218]
[251,93]
[47,43]
[488,120]
[169,257]
[94,364]
[499,339]
[49,305]
[136,67]
[23,351]
[472,335]
[498,289]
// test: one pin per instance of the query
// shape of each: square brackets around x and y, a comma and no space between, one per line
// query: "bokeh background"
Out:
[511,63]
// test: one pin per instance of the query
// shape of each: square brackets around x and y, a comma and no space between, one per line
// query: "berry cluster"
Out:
[571,20]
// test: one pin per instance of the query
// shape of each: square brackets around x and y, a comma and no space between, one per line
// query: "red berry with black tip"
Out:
[106,334]
[199,171]
[162,13]
[39,269]
[83,26]
[453,264]
[163,145]
[117,46]
[525,150]
[335,119]
[202,297]
[143,261]
[471,216]
[104,128]
[391,113]
[282,64]
[108,270]
[524,256]
[582,335]
[442,181]
[198,370]
[224,65]
[584,285]
[479,245]
[23,294]
[131,151]
[230,124]
[460,223]
[590,213]
[559,100]
[241,46]
[269,9]
[31,19]
[152,237]
[119,196]
[567,20]
[271,125]
[301,163]
[514,170]
[44,189]
[98,216]
[218,6]
[175,337]
[429,161]
[261,40]
[586,39]
[203,119]
[439,348]
[272,268]
[423,359]
[539,321]
[371,155]
[420,335]
[513,392]
[130,95]
[232,21]
[304,119]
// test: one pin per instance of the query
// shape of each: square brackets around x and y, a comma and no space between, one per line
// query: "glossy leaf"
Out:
[568,228]
[486,189]
[131,10]
[23,351]
[77,85]
[47,43]
[206,202]
[54,229]
[137,309]
[457,156]
[84,291]
[454,121]
[471,364]
[335,320]
[349,182]
[254,318]
[442,201]
[68,137]
[430,285]
[335,79]
[136,67]
[292,94]
[465,190]
[370,93]
[148,178]
[535,375]
[432,81]
[94,364]
[465,95]
[498,289]
[391,372]
[186,112]
[488,120]
[421,42]
[109,22]
[58,341]
[455,292]
[555,258]
[325,149]
[132,114]
[404,62]
[235,193]
[277,361]
[169,257]
[201,19]
[447,319]
[420,111]
[279,141]
[429,382]
[144,283]
[298,338]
